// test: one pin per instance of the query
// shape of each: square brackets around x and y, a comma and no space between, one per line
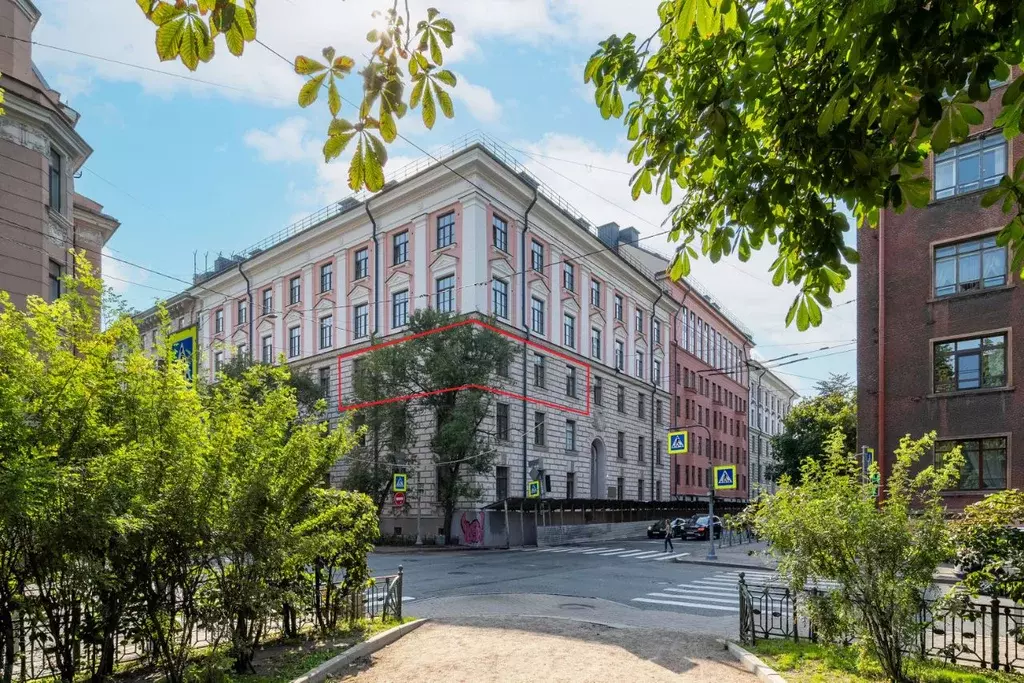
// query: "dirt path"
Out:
[549,650]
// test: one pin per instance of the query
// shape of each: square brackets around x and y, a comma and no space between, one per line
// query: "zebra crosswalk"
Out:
[718,593]
[623,553]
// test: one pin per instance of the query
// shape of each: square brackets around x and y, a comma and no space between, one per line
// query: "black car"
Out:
[657,529]
[697,527]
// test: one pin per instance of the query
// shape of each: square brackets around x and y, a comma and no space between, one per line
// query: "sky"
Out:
[195,169]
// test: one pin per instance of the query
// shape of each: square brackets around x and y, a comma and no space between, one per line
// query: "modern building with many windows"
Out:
[477,236]
[771,399]
[41,215]
[937,309]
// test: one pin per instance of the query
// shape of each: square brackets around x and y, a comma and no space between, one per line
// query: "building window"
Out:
[243,312]
[656,371]
[362,264]
[640,406]
[295,290]
[218,320]
[570,381]
[640,448]
[639,320]
[267,352]
[639,364]
[639,489]
[446,294]
[268,301]
[570,435]
[538,370]
[620,355]
[657,411]
[218,361]
[657,452]
[499,229]
[620,399]
[326,331]
[503,367]
[501,482]
[657,331]
[537,256]
[595,293]
[969,266]
[569,276]
[242,348]
[361,321]
[985,462]
[294,341]
[400,309]
[678,407]
[965,364]
[324,380]
[499,293]
[617,309]
[620,487]
[501,422]
[537,315]
[326,277]
[569,331]
[970,166]
[56,272]
[400,248]
[595,343]
[570,485]
[598,391]
[446,230]
[620,445]
[538,428]
[56,180]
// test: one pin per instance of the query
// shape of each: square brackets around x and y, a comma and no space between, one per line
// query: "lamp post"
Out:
[711,492]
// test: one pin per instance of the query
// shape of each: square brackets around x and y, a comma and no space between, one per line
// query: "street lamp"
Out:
[711,491]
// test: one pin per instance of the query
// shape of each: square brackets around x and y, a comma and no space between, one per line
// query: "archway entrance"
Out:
[597,470]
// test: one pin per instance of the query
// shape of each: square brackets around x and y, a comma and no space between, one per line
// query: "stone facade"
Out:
[771,399]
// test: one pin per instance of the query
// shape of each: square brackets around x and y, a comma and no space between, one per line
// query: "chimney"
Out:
[630,236]
[609,234]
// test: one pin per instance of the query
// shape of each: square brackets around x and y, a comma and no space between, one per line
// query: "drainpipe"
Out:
[525,323]
[248,294]
[376,272]
[654,380]
[881,356]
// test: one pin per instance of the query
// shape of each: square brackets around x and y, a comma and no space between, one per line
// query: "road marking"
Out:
[546,550]
[648,554]
[678,603]
[678,595]
[583,550]
[670,557]
[603,551]
[616,552]
[632,553]
[561,550]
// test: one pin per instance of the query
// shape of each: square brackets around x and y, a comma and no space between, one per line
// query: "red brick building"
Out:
[937,306]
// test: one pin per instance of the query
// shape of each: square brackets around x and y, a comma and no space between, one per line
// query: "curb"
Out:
[752,664]
[421,549]
[367,647]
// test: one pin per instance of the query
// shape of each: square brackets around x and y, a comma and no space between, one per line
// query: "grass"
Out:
[811,663]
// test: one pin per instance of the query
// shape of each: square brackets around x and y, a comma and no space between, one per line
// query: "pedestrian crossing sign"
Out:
[725,477]
[398,483]
[678,442]
[534,489]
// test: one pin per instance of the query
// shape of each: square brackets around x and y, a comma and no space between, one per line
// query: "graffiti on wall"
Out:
[472,529]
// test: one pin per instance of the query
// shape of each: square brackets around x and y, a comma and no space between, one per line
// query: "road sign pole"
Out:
[711,521]
[419,512]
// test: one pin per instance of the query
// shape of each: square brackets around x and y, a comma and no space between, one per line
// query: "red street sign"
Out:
[400,499]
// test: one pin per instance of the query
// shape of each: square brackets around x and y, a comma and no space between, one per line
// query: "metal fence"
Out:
[988,634]
[33,643]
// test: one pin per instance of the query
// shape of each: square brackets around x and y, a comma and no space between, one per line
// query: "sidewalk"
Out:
[514,649]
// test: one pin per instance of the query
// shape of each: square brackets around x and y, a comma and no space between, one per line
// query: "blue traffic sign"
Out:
[678,442]
[725,477]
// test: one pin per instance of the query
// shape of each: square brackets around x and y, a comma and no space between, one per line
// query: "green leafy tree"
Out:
[308,392]
[990,546]
[810,423]
[400,56]
[762,120]
[882,555]
[436,365]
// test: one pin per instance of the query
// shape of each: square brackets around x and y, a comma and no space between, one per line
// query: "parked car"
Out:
[657,529]
[697,527]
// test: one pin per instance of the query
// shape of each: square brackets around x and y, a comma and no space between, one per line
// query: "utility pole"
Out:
[711,491]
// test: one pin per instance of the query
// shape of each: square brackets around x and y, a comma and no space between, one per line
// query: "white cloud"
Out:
[288,141]
[478,99]
[115,273]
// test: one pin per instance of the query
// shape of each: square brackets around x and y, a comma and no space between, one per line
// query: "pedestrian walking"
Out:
[668,536]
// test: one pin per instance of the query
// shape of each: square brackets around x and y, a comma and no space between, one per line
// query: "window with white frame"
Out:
[538,370]
[326,277]
[499,294]
[972,363]
[361,321]
[537,256]
[243,312]
[969,266]
[970,166]
[569,276]
[570,381]
[326,331]
[620,355]
[446,230]
[362,264]
[400,248]
[595,293]
[617,309]
[400,309]
[294,341]
[537,315]
[218,361]
[570,435]
[499,231]
[595,343]
[656,331]
[267,349]
[656,371]
[639,320]
[569,331]
[295,290]
[218,320]
[639,364]
[446,294]
[538,429]
[268,301]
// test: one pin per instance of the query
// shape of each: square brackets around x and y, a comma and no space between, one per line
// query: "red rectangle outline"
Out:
[494,390]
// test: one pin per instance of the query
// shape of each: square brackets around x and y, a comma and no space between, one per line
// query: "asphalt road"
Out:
[634,574]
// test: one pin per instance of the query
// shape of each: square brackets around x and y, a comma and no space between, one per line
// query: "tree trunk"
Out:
[243,651]
[110,617]
[449,515]
[7,639]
